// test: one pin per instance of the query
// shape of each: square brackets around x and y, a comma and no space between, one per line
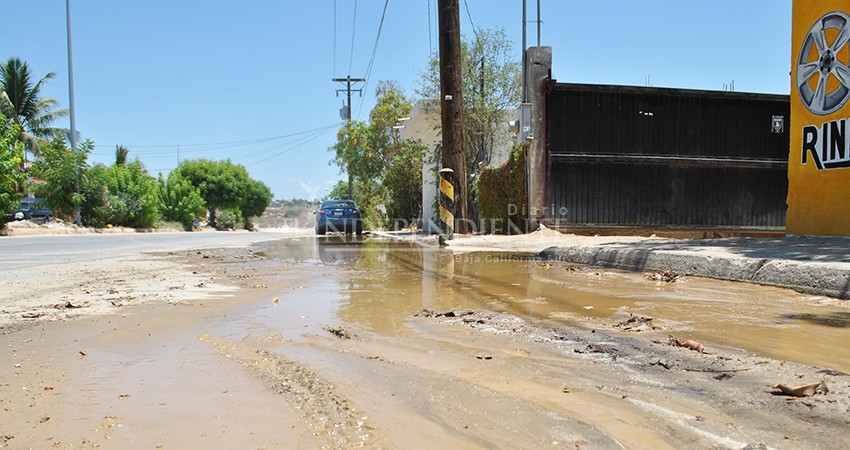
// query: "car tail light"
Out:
[321,212]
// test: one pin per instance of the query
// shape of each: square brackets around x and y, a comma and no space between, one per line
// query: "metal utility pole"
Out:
[77,219]
[451,105]
[524,48]
[347,115]
[538,23]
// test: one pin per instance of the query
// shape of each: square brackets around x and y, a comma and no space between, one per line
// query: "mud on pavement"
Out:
[290,361]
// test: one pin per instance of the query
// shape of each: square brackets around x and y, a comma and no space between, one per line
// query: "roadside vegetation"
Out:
[386,170]
[121,194]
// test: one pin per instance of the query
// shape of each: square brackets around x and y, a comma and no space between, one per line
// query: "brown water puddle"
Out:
[379,284]
[176,375]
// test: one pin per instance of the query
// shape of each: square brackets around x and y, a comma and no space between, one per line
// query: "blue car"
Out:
[339,215]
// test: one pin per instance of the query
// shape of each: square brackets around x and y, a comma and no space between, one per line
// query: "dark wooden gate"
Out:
[638,157]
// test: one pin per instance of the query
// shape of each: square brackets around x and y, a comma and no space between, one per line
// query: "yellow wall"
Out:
[819,200]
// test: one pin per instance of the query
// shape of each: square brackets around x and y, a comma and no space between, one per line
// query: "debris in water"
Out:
[689,344]
[276,301]
[430,313]
[339,332]
[667,276]
[803,390]
[636,323]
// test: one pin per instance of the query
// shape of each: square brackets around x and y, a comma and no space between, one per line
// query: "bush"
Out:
[11,177]
[180,201]
[120,195]
[502,194]
[228,219]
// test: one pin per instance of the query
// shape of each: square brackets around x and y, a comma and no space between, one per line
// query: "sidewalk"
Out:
[811,265]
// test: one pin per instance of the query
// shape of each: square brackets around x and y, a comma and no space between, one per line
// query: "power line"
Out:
[334,72]
[430,43]
[469,14]
[303,141]
[374,52]
[226,144]
[353,29]
[293,147]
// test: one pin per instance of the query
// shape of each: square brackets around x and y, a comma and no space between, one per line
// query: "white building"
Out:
[424,125]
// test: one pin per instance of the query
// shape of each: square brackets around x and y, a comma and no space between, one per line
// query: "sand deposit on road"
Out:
[228,348]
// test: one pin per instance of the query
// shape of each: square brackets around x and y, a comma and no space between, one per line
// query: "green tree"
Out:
[401,159]
[121,155]
[492,80]
[131,196]
[374,152]
[354,153]
[221,183]
[11,177]
[256,198]
[21,101]
[66,176]
[179,200]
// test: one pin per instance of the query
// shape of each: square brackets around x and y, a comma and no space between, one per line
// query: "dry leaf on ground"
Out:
[803,390]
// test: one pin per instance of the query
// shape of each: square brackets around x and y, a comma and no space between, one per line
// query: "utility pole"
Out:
[451,105]
[77,218]
[524,48]
[347,115]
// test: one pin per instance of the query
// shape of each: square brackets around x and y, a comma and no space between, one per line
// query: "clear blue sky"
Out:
[250,80]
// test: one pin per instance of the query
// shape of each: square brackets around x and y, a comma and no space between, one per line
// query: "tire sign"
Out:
[819,158]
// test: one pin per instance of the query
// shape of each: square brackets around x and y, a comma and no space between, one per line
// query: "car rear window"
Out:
[339,205]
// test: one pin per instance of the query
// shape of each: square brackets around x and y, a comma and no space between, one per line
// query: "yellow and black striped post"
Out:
[447,202]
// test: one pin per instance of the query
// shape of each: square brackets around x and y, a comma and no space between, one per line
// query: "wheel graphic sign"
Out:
[819,127]
[823,79]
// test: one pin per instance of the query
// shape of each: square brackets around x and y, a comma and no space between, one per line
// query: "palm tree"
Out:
[121,154]
[21,102]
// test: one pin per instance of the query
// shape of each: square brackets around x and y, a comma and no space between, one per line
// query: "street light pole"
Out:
[73,137]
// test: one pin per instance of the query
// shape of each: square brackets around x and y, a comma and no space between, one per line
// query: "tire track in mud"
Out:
[329,416]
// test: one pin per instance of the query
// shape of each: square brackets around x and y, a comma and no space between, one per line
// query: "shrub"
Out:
[228,219]
[502,194]
[179,200]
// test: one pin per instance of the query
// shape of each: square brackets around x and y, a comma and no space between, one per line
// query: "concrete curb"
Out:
[806,277]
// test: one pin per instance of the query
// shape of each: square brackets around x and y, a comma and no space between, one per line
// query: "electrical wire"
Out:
[374,53]
[334,72]
[293,147]
[430,42]
[353,29]
[469,14]
[194,148]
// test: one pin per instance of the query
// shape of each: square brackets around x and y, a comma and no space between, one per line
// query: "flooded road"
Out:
[366,343]
[379,284]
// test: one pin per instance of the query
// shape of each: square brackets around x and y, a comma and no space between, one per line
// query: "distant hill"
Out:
[288,214]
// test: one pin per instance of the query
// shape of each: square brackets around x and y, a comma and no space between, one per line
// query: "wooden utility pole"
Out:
[451,106]
[347,114]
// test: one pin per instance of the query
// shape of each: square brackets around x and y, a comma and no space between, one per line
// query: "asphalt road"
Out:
[24,252]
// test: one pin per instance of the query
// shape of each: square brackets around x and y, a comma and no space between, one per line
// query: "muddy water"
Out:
[378,285]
